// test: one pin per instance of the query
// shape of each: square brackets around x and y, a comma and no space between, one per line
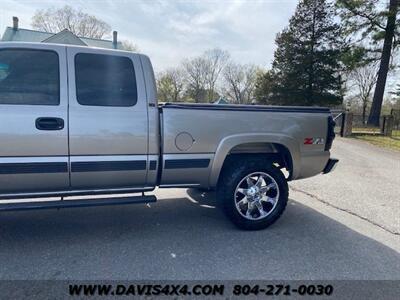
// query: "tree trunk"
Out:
[384,65]
[363,112]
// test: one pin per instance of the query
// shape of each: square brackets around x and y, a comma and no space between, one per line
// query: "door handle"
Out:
[48,123]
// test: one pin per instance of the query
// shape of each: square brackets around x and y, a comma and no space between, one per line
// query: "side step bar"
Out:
[76,203]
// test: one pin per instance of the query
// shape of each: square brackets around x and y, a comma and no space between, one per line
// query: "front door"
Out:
[108,127]
[33,119]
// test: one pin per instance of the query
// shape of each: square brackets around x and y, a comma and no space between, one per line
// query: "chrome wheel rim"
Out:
[256,196]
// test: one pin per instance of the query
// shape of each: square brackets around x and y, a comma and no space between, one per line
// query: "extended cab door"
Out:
[33,118]
[108,127]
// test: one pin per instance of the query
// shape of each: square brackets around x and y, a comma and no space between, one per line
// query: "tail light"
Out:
[331,133]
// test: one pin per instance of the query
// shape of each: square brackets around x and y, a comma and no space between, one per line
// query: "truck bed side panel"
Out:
[209,128]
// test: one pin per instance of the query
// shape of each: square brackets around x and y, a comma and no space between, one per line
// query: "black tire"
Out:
[234,171]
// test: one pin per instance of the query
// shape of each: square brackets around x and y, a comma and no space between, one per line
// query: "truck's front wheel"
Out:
[254,193]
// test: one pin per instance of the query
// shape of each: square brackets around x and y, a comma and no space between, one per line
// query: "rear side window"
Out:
[105,80]
[29,77]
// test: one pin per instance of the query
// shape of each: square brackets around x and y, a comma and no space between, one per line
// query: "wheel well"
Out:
[272,153]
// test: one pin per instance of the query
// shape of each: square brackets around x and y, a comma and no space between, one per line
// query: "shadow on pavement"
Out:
[203,197]
[185,238]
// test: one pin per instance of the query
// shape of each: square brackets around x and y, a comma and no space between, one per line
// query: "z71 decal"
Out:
[314,141]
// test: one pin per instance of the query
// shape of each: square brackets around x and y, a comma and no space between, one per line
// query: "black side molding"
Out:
[102,166]
[330,165]
[197,163]
[153,164]
[33,167]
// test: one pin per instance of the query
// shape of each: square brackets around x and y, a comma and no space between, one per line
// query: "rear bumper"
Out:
[330,165]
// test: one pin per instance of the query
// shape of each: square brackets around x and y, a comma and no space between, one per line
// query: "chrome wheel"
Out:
[256,196]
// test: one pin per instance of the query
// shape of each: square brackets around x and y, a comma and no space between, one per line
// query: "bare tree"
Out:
[170,84]
[80,23]
[364,78]
[240,81]
[129,46]
[196,72]
[216,60]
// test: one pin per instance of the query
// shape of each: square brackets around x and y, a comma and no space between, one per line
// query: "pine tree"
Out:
[306,63]
[366,19]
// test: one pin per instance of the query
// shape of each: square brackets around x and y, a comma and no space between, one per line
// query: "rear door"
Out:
[108,123]
[33,118]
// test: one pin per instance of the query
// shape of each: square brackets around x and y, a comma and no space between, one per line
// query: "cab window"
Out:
[105,80]
[29,77]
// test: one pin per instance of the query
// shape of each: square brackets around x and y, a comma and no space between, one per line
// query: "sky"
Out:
[169,31]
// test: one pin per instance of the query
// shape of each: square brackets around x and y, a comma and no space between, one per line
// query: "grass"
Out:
[380,140]
[366,130]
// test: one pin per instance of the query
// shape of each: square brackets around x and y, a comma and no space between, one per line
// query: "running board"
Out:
[77,203]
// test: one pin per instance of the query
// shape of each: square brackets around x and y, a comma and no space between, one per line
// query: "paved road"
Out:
[183,236]
[366,182]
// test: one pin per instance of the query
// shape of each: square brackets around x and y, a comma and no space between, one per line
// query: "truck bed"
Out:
[197,132]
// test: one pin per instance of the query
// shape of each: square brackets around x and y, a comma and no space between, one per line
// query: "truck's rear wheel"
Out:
[254,193]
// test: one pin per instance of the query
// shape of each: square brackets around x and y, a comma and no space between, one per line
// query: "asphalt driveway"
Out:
[184,237]
[366,183]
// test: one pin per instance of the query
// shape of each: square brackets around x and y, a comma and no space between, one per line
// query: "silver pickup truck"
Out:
[83,121]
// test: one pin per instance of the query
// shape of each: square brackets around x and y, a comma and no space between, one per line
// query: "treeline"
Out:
[328,51]
[207,78]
